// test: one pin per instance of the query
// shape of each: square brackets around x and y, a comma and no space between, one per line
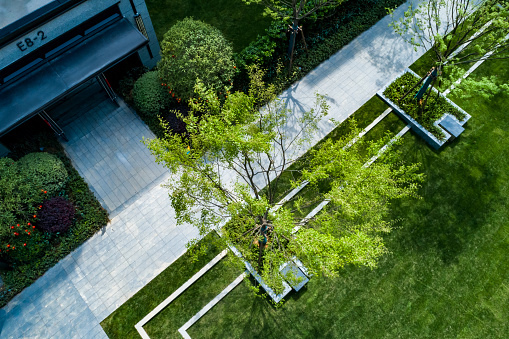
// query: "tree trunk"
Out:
[291,47]
[303,39]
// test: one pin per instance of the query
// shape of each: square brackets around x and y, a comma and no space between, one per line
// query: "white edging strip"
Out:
[385,147]
[289,196]
[367,129]
[310,215]
[174,295]
[212,303]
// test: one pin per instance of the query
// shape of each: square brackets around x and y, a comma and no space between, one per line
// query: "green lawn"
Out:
[239,22]
[120,324]
[447,275]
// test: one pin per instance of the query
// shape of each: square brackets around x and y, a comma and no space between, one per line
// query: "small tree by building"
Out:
[228,170]
[458,33]
[294,11]
[193,50]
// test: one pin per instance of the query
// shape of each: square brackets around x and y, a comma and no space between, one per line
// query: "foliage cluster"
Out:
[324,37]
[436,107]
[150,97]
[237,149]
[89,218]
[193,50]
[44,171]
[56,215]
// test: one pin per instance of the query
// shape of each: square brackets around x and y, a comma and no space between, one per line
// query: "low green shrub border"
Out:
[323,37]
[435,107]
[90,217]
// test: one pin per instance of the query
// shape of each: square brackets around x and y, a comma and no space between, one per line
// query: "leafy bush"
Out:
[194,50]
[56,215]
[44,171]
[149,96]
[32,245]
[19,202]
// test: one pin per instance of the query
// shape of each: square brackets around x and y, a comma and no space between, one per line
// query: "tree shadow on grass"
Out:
[454,204]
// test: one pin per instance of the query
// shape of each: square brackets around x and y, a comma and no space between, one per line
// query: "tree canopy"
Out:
[237,161]
[458,33]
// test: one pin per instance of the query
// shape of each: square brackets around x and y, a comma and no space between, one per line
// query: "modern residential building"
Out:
[49,48]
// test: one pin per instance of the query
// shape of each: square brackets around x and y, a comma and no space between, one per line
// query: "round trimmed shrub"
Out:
[194,50]
[44,171]
[149,95]
[56,215]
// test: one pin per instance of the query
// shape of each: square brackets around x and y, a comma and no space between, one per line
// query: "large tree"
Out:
[237,162]
[294,11]
[458,33]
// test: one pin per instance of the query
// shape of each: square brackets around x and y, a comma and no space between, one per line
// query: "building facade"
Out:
[48,48]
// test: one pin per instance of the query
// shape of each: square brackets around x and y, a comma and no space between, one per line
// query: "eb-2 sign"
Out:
[30,42]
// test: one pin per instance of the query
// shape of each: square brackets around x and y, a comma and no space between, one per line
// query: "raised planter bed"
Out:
[431,139]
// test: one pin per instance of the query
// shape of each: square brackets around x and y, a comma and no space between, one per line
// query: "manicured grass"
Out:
[447,275]
[167,323]
[120,324]
[239,22]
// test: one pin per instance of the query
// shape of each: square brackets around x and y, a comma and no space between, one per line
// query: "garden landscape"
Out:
[290,188]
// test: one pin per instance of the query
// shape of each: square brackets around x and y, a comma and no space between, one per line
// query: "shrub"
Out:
[56,215]
[44,171]
[34,259]
[194,50]
[149,96]
[28,246]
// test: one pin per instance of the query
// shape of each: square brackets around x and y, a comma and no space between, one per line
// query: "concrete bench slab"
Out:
[294,275]
[451,125]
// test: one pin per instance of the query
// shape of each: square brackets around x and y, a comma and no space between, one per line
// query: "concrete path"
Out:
[104,145]
[141,240]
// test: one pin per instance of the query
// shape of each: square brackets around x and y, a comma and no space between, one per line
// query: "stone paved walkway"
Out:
[71,299]
[104,145]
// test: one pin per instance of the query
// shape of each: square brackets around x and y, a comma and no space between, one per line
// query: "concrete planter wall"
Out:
[418,128]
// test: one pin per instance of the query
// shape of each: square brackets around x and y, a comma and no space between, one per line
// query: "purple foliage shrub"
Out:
[56,215]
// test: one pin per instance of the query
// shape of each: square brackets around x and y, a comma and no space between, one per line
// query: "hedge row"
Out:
[90,217]
[323,37]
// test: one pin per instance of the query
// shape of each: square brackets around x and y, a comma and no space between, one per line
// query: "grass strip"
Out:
[168,321]
[120,324]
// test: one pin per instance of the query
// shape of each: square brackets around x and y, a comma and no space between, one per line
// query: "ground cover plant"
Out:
[68,219]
